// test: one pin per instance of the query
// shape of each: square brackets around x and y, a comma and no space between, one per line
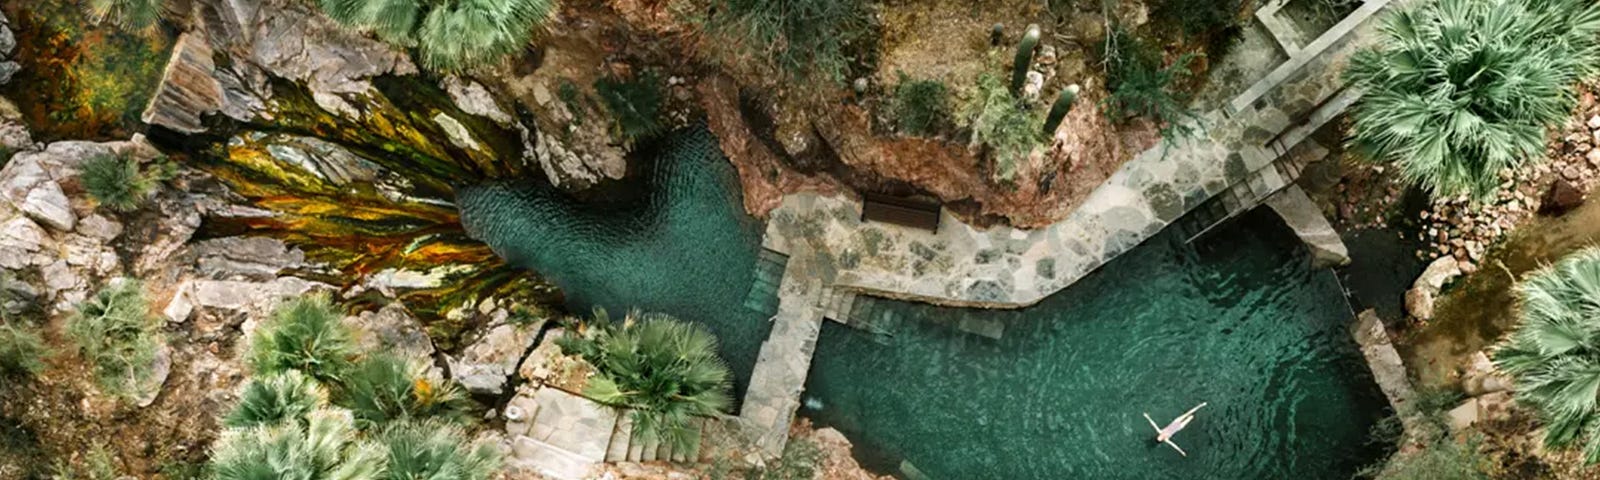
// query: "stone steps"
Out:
[628,446]
[763,294]
[549,460]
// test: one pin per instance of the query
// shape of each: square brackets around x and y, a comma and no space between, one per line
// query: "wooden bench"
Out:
[903,211]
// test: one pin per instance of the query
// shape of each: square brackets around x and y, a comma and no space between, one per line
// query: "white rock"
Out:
[1594,122]
[180,308]
[484,366]
[473,98]
[20,240]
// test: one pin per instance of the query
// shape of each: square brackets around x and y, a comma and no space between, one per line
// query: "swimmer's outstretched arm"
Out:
[1191,411]
[1152,423]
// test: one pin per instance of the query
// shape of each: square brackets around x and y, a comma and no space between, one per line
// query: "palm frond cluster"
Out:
[1554,354]
[665,369]
[128,14]
[1459,90]
[450,35]
[116,333]
[314,410]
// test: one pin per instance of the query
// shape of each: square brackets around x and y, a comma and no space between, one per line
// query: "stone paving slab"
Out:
[1003,267]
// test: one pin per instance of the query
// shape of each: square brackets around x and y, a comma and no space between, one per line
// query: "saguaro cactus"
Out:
[1025,49]
[1058,112]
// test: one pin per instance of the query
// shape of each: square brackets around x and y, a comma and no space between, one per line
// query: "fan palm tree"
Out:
[326,446]
[1554,354]
[1459,90]
[665,369]
[128,14]
[450,35]
[304,334]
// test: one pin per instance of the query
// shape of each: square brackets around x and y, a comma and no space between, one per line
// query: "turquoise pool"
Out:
[1237,320]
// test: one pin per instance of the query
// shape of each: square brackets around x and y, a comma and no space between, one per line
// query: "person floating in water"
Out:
[1164,435]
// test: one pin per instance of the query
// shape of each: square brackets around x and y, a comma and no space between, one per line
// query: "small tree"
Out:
[115,331]
[1004,124]
[1458,90]
[665,369]
[1554,354]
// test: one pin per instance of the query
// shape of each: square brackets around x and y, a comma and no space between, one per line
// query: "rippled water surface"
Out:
[1237,320]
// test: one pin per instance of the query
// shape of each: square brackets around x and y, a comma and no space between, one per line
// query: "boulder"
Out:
[392,329]
[189,89]
[1419,303]
[1563,196]
[252,258]
[473,98]
[21,243]
[160,369]
[1438,273]
[1481,378]
[485,365]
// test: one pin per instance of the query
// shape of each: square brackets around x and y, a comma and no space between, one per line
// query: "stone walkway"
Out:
[1248,150]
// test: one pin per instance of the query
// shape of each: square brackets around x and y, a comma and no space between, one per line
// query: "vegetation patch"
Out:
[383,388]
[304,334]
[920,107]
[665,369]
[1458,90]
[1141,87]
[634,103]
[799,37]
[81,80]
[451,35]
[22,353]
[116,333]
[1554,354]
[115,182]
[1004,124]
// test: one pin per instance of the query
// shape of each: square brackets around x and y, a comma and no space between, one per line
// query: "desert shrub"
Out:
[799,37]
[634,103]
[666,369]
[919,106]
[1141,86]
[1458,90]
[273,399]
[304,334]
[1198,18]
[799,462]
[128,14]
[115,182]
[326,446]
[1004,124]
[435,451]
[116,333]
[383,388]
[22,353]
[450,35]
[1554,353]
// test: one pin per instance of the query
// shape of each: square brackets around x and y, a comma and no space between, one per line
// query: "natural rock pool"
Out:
[1237,320]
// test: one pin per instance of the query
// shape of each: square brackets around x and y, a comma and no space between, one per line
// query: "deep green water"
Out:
[1237,320]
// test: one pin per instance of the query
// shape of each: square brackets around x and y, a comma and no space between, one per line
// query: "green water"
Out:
[1238,321]
[684,247]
